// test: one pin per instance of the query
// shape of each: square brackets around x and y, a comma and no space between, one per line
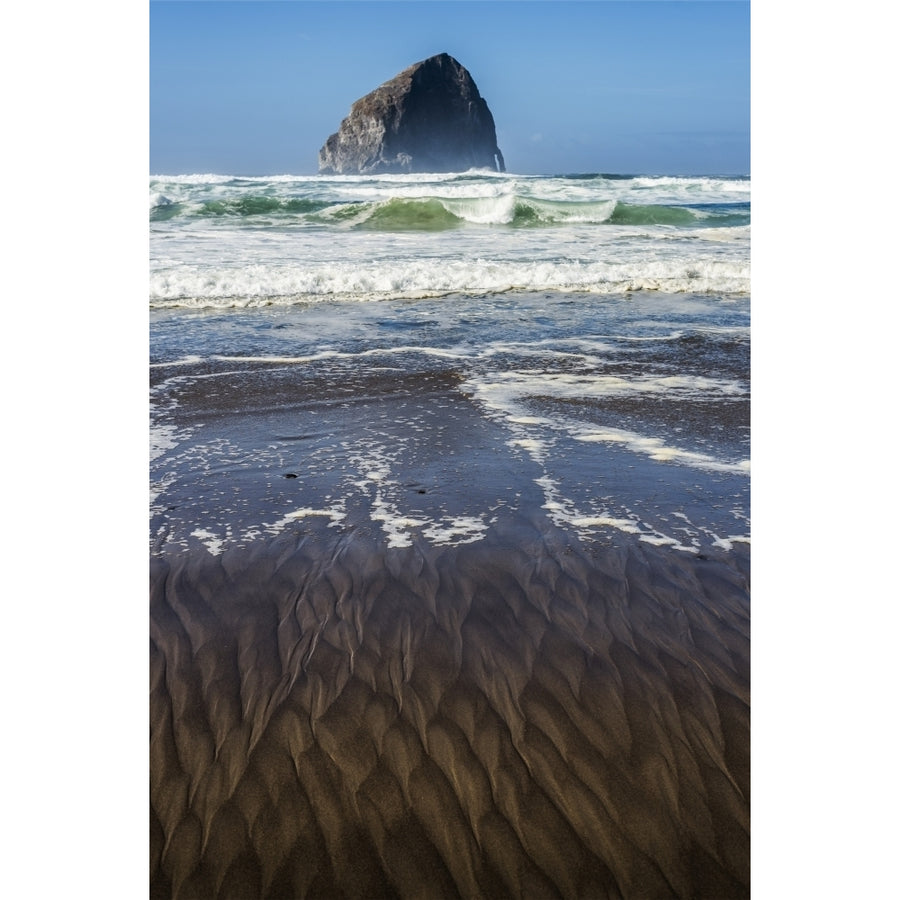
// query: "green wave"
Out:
[706,215]
[440,214]
[444,213]
[625,214]
[539,213]
[409,215]
[166,211]
[260,205]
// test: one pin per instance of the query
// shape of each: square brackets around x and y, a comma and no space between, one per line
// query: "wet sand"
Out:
[525,716]
[342,710]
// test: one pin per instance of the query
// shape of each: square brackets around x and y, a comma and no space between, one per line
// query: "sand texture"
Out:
[524,716]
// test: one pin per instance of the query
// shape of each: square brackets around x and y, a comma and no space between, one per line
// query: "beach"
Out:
[449,588]
[529,714]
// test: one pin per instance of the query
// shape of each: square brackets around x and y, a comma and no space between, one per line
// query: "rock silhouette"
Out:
[429,118]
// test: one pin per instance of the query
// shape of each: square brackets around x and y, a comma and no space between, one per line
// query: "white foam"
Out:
[531,444]
[503,393]
[658,450]
[335,515]
[214,543]
[164,438]
[394,523]
[197,179]
[274,279]
[158,486]
[626,525]
[670,189]
[456,530]
[190,360]
[422,189]
[498,210]
[564,514]
[502,390]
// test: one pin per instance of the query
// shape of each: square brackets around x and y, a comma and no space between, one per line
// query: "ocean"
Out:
[599,324]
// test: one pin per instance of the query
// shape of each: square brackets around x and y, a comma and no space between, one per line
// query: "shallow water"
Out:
[622,412]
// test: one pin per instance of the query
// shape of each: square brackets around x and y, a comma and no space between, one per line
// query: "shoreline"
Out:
[529,714]
[251,449]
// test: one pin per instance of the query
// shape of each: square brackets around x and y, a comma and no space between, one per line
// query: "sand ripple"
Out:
[530,718]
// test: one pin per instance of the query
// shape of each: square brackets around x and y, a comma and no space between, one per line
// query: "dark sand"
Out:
[528,715]
[538,719]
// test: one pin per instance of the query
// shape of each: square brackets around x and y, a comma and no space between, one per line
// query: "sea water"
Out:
[599,324]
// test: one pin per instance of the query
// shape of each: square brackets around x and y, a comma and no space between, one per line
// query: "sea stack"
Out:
[429,118]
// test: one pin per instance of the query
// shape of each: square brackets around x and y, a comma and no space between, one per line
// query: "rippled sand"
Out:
[525,716]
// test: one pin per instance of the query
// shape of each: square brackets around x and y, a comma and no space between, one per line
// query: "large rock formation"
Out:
[429,118]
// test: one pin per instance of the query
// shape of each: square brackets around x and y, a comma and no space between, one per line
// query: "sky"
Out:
[253,87]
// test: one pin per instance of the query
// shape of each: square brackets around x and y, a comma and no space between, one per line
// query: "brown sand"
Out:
[525,716]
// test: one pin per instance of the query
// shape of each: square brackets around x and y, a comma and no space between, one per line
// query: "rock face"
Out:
[429,118]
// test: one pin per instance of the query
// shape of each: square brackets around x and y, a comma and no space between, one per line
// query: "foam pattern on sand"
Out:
[541,718]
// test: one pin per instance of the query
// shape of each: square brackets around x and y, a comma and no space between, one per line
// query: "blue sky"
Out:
[256,87]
